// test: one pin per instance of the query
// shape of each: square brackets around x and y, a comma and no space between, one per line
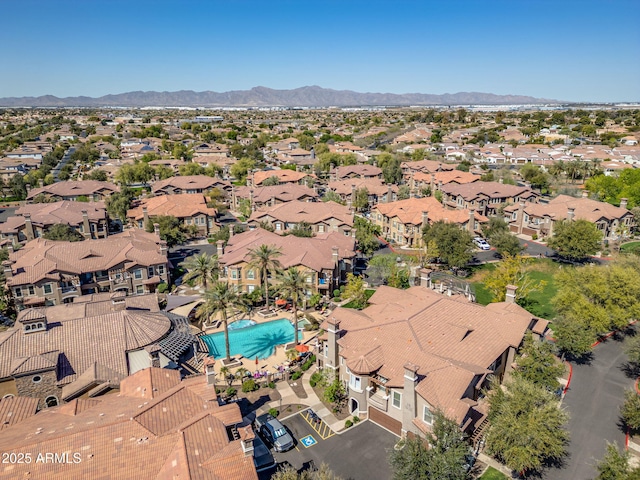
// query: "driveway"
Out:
[362,452]
[593,403]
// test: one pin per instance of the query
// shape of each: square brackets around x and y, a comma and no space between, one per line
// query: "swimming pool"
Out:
[258,340]
[244,323]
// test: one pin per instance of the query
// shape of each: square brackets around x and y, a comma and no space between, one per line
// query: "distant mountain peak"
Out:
[261,96]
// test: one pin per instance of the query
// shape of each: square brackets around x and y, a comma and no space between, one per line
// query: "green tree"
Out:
[289,473]
[361,201]
[572,338]
[538,364]
[496,226]
[163,172]
[241,169]
[389,269]
[404,192]
[99,175]
[507,244]
[293,286]
[455,246]
[202,268]
[367,234]
[272,180]
[630,410]
[172,230]
[441,455]
[527,427]
[615,465]
[190,168]
[391,168]
[221,299]
[331,196]
[354,291]
[64,232]
[512,271]
[119,203]
[302,229]
[632,349]
[576,240]
[264,259]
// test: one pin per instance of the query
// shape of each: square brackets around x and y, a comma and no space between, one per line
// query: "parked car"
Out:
[274,432]
[481,243]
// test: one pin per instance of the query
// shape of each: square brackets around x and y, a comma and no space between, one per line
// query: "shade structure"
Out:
[302,348]
[281,301]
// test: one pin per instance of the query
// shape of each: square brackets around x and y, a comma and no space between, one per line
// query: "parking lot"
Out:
[360,452]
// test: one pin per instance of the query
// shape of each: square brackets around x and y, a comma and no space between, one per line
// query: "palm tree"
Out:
[265,259]
[221,298]
[202,268]
[292,286]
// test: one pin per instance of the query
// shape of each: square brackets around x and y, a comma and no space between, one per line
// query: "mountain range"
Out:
[310,96]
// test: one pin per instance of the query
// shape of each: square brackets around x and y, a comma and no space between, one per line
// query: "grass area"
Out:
[538,303]
[493,474]
[367,295]
[631,247]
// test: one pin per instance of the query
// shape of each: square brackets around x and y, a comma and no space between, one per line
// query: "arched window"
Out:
[51,401]
[27,327]
[36,379]
[9,395]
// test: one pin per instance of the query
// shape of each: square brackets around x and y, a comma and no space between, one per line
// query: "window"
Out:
[47,288]
[396,399]
[139,289]
[150,272]
[234,273]
[137,274]
[320,228]
[278,226]
[427,416]
[309,279]
[251,275]
[32,290]
[355,382]
[17,292]
[250,288]
[36,379]
[160,269]
[51,401]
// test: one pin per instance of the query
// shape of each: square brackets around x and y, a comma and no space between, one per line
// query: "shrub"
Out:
[274,412]
[337,299]
[342,287]
[348,424]
[296,375]
[249,385]
[336,293]
[316,378]
[271,385]
[307,365]
[356,419]
[162,287]
[534,236]
[231,392]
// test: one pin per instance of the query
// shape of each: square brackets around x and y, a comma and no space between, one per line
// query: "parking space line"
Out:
[322,429]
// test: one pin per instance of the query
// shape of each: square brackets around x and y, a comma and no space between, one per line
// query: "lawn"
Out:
[538,303]
[631,247]
[367,295]
[493,474]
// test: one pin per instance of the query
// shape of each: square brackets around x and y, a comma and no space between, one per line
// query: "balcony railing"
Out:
[69,289]
[379,400]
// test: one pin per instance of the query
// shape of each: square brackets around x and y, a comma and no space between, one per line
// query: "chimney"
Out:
[471,226]
[86,228]
[154,354]
[571,213]
[246,440]
[520,216]
[425,277]
[28,226]
[251,204]
[156,229]
[623,203]
[163,248]
[41,182]
[335,252]
[353,195]
[440,185]
[432,185]
[500,180]
[390,194]
[10,247]
[6,268]
[231,232]
[333,335]
[220,247]
[425,218]
[510,296]
[145,216]
[409,396]
[585,194]
[439,167]
[209,370]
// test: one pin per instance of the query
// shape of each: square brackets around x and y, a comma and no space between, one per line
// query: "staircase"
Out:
[479,432]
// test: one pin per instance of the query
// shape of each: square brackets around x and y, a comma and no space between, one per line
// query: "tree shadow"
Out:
[584,359]
[630,369]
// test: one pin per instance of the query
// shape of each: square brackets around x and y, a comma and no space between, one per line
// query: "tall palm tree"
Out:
[202,268]
[293,286]
[265,259]
[223,299]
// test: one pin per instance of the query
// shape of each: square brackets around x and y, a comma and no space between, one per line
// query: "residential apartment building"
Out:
[189,184]
[401,222]
[157,426]
[377,190]
[72,190]
[325,259]
[86,348]
[424,166]
[283,176]
[189,208]
[262,197]
[355,171]
[34,220]
[421,181]
[46,272]
[412,352]
[485,198]
[539,218]
[324,217]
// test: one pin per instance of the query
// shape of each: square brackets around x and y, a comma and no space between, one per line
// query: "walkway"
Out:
[289,397]
[593,402]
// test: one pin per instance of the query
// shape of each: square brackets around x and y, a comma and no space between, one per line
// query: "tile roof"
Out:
[187,182]
[15,409]
[359,170]
[470,191]
[374,186]
[45,214]
[282,192]
[177,434]
[42,258]
[450,340]
[312,213]
[584,209]
[181,205]
[427,166]
[409,211]
[74,188]
[285,176]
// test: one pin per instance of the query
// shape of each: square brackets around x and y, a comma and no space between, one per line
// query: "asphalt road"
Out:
[593,402]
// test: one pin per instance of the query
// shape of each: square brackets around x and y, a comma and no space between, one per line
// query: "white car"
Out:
[481,243]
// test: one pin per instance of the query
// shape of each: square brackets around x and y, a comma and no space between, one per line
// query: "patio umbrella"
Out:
[256,360]
[302,348]
[281,301]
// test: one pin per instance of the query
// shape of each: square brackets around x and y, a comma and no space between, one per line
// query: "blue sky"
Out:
[576,50]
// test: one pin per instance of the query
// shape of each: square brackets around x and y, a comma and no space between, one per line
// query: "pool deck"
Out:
[279,358]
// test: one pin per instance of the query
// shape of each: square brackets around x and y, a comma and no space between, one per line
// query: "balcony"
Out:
[379,400]
[69,289]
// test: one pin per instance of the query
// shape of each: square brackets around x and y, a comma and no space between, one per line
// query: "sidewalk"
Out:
[492,463]
[312,401]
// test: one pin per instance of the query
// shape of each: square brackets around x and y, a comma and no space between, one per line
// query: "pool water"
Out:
[244,323]
[258,340]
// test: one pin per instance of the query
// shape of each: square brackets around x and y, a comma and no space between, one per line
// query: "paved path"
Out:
[593,402]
